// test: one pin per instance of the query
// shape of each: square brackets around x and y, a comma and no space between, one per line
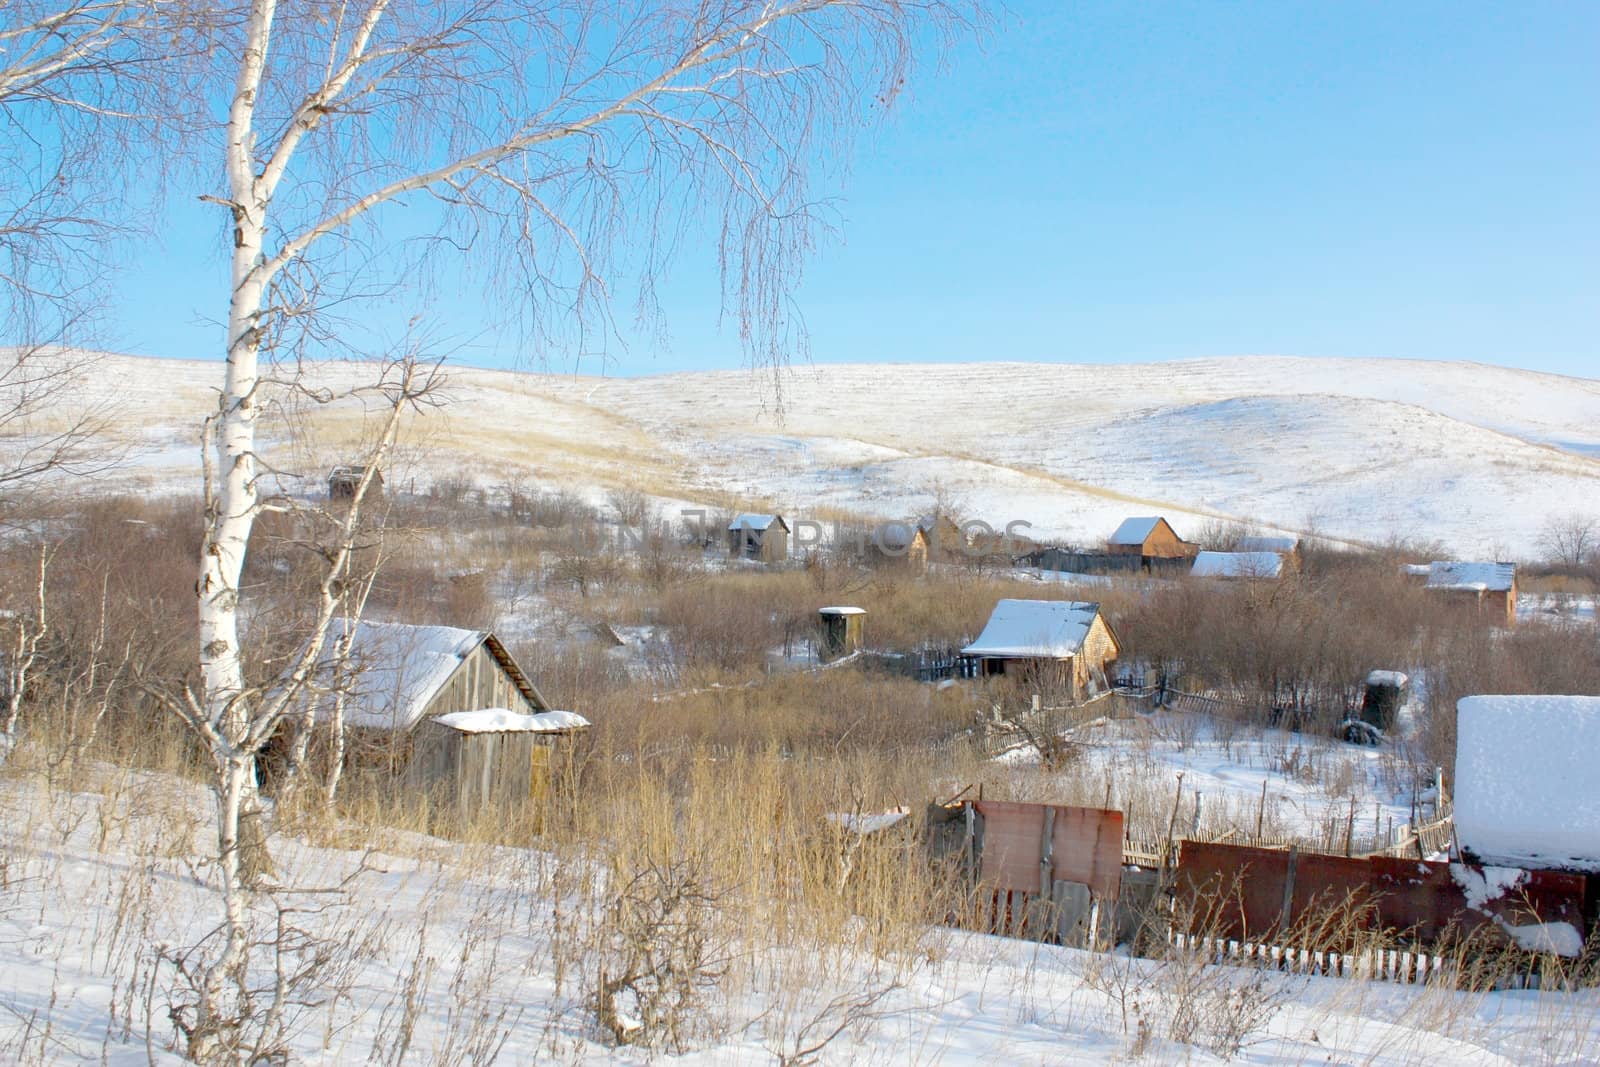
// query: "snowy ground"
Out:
[1475,456]
[450,956]
[1293,784]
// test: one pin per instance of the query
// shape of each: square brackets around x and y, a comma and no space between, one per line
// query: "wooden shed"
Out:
[759,537]
[1149,537]
[344,480]
[843,629]
[1061,643]
[942,538]
[426,705]
[492,759]
[1488,589]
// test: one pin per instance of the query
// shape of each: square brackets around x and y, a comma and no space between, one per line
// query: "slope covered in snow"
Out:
[1366,450]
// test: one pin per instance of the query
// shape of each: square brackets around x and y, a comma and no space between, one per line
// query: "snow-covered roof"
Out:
[1025,629]
[1526,791]
[398,668]
[504,720]
[1415,570]
[1134,531]
[841,611]
[1395,678]
[750,521]
[1480,577]
[1267,544]
[864,824]
[1237,565]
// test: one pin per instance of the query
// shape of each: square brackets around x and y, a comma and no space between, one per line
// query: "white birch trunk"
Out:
[231,507]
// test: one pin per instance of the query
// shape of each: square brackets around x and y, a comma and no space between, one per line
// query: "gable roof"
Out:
[1134,531]
[1034,629]
[752,521]
[400,667]
[1237,565]
[1475,577]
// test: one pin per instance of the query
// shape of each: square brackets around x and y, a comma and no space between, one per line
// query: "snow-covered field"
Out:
[449,955]
[1471,455]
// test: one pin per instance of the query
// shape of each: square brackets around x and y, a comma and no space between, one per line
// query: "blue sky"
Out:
[1128,182]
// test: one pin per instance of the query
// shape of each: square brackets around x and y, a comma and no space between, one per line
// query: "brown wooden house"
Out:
[1149,537]
[759,537]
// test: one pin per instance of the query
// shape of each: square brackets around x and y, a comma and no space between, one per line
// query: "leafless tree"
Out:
[1571,540]
[27,632]
[83,83]
[237,722]
[46,424]
[564,146]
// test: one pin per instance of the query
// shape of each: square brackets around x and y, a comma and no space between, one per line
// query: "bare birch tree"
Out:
[236,724]
[562,146]
[27,631]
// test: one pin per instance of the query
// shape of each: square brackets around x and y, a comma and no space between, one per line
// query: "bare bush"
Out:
[662,952]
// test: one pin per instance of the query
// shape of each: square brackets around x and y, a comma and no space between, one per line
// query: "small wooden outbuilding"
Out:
[1149,537]
[469,762]
[1489,589]
[1063,643]
[843,629]
[344,480]
[440,711]
[941,537]
[758,537]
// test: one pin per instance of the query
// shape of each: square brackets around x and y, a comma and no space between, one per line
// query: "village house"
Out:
[1490,589]
[446,712]
[759,537]
[1064,644]
[1149,537]
[1238,565]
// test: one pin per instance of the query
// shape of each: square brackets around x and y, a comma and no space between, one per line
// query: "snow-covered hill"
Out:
[1472,455]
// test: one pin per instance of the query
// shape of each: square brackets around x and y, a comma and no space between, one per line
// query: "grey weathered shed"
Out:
[762,537]
[469,762]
